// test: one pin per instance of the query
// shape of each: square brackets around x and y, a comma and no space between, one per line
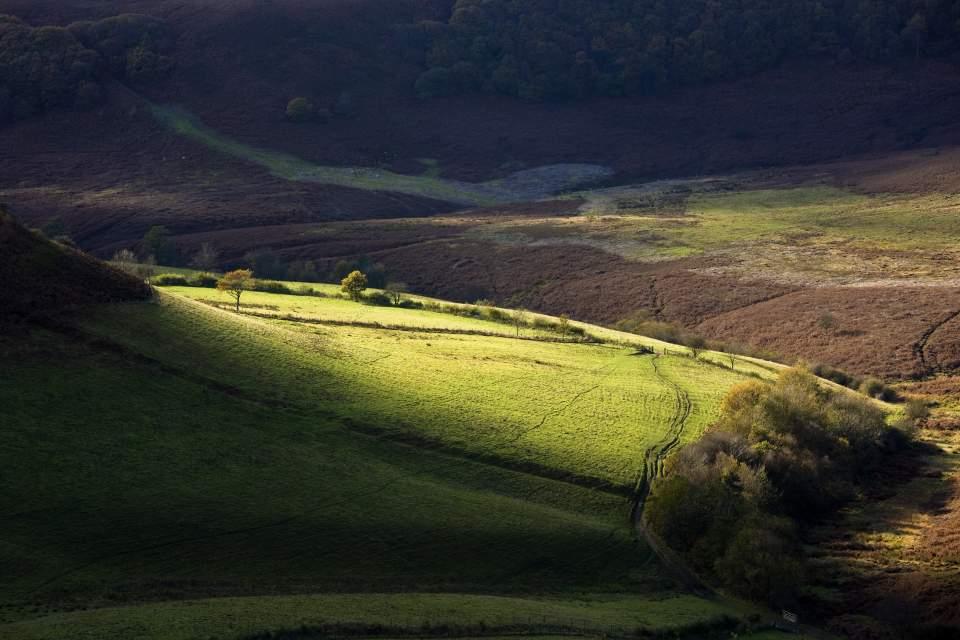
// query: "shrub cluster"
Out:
[781,455]
[873,387]
[642,323]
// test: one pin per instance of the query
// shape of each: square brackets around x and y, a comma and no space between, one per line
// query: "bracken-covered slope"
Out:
[39,276]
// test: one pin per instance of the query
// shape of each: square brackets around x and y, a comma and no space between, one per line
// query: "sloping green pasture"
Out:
[165,450]
[591,410]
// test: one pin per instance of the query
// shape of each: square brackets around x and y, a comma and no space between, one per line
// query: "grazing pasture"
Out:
[590,410]
[176,450]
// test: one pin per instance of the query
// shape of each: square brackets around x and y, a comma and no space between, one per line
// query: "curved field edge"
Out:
[237,618]
[588,410]
[525,185]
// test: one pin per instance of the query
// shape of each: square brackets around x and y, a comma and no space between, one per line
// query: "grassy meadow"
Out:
[798,234]
[589,410]
[171,449]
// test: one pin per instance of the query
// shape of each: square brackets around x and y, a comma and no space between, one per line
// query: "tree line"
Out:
[44,68]
[564,49]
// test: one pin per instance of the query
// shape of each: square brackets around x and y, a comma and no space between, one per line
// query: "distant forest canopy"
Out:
[42,68]
[564,49]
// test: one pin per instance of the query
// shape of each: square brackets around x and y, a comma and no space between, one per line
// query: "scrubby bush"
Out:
[780,456]
[916,411]
[170,280]
[271,286]
[836,375]
[205,280]
[495,314]
[875,388]
[300,109]
[378,298]
[642,323]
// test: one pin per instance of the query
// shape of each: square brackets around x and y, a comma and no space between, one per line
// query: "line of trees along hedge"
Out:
[43,68]
[561,49]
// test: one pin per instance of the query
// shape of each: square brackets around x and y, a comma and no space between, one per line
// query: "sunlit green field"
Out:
[343,310]
[592,410]
[172,449]
[334,308]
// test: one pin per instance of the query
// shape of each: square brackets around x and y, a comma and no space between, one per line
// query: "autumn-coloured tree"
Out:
[354,285]
[235,283]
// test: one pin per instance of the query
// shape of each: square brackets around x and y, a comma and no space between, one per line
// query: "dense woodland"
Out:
[47,67]
[563,49]
[533,49]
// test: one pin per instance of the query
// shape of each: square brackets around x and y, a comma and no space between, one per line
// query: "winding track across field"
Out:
[652,469]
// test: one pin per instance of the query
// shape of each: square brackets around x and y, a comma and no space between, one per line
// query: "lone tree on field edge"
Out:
[354,285]
[520,317]
[235,283]
[395,290]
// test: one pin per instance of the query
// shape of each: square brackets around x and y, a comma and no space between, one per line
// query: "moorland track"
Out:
[920,346]
[652,468]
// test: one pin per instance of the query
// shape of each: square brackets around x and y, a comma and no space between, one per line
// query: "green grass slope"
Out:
[587,410]
[167,450]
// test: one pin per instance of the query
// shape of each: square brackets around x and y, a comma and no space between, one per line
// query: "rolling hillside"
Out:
[171,450]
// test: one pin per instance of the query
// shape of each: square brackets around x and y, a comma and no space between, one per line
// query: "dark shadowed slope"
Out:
[39,276]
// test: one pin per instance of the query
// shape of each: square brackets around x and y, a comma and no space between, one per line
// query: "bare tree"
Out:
[395,290]
[206,258]
[696,344]
[520,317]
[125,260]
[147,268]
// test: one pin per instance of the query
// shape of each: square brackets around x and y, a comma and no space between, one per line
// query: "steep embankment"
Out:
[38,276]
